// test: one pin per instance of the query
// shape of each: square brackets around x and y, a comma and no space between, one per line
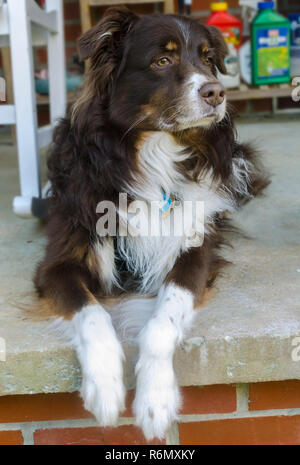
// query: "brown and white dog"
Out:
[151,123]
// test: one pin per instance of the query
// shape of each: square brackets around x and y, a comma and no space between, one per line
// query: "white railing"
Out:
[24,24]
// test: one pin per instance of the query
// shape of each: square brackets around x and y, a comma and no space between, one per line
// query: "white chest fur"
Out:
[152,257]
[158,158]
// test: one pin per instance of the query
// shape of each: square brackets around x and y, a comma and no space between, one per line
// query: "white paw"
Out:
[105,399]
[101,358]
[156,404]
[102,384]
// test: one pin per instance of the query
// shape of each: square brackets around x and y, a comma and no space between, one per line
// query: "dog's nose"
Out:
[213,93]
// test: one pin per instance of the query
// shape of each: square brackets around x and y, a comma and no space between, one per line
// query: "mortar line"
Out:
[172,435]
[90,422]
[27,433]
[241,414]
[50,424]
[242,397]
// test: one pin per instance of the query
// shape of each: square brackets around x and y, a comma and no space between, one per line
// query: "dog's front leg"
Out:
[157,394]
[157,398]
[101,356]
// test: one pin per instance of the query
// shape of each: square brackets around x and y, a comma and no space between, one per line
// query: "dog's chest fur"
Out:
[151,258]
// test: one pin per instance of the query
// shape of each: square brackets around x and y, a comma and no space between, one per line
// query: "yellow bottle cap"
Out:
[220,6]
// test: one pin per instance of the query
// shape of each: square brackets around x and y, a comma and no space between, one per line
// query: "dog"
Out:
[150,124]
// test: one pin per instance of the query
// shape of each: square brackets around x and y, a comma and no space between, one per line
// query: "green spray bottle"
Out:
[270,46]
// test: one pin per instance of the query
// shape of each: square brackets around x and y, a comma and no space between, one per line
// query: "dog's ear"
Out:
[106,37]
[220,46]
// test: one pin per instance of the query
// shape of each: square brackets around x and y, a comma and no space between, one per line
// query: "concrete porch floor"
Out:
[244,334]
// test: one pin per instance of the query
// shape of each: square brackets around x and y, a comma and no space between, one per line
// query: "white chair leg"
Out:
[57,64]
[25,102]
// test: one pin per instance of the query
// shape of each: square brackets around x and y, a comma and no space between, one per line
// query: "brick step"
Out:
[259,413]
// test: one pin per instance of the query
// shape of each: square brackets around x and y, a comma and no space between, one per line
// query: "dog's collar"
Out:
[167,205]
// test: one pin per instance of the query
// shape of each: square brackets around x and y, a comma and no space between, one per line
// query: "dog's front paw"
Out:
[101,357]
[156,405]
[105,399]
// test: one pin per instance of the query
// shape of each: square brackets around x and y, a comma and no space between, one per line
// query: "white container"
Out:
[245,59]
[232,78]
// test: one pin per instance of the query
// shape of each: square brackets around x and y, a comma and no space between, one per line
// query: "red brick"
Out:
[143,9]
[274,395]
[11,438]
[42,407]
[123,435]
[287,102]
[47,407]
[238,106]
[263,105]
[43,115]
[72,32]
[220,398]
[42,56]
[280,430]
[71,11]
[70,51]
[199,399]
[139,8]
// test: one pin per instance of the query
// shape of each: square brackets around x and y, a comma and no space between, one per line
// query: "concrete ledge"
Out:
[243,334]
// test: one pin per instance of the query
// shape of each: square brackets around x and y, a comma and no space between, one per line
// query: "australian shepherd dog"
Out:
[143,170]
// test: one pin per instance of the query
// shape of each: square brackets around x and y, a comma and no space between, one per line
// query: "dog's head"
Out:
[156,72]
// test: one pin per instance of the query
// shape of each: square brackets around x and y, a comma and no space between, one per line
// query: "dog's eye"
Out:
[164,61]
[208,59]
[206,54]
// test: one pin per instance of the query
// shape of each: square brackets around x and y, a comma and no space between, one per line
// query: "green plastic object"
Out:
[270,40]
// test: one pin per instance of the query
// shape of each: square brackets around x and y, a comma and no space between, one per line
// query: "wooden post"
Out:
[85,12]
[169,6]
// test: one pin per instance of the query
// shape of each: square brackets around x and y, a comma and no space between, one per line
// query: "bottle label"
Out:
[231,35]
[272,52]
